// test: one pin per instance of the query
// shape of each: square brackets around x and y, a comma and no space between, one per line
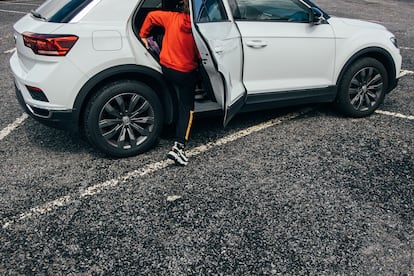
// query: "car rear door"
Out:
[219,42]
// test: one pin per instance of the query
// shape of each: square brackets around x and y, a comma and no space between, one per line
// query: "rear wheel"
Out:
[123,118]
[362,88]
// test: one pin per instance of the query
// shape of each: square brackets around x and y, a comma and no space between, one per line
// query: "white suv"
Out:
[81,65]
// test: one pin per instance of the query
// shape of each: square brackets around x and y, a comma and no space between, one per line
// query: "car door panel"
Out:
[221,51]
[283,56]
[224,41]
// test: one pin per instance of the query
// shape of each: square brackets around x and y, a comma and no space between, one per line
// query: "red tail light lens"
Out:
[49,45]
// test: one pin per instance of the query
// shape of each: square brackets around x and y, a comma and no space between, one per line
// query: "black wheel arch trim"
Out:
[379,54]
[148,76]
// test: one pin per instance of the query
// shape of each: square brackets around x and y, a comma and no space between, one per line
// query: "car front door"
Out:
[218,40]
[283,49]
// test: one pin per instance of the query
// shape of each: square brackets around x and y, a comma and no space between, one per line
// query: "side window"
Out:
[271,10]
[142,12]
[209,11]
[152,4]
[62,11]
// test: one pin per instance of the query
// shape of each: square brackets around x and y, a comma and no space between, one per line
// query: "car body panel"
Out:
[354,36]
[283,63]
[220,47]
[224,44]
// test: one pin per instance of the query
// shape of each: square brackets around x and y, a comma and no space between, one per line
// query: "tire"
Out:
[123,118]
[362,88]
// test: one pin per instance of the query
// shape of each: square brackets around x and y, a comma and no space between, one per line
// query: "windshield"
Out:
[60,11]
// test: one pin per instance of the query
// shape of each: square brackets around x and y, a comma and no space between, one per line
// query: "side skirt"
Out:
[289,98]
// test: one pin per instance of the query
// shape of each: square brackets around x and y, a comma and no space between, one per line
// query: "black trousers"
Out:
[184,84]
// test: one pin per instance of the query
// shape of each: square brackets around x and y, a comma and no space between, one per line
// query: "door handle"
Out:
[219,50]
[256,44]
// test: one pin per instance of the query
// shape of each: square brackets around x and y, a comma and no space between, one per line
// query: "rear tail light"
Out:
[48,44]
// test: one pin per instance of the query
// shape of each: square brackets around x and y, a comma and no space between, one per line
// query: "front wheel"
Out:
[123,118]
[362,88]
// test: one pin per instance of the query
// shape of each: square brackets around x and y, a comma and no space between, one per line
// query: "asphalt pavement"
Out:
[291,191]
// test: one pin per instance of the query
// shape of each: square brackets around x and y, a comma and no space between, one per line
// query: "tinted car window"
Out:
[61,11]
[152,4]
[273,10]
[209,11]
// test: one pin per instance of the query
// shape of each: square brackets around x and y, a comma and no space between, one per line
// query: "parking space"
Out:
[289,191]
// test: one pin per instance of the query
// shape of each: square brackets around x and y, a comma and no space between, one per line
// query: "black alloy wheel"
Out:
[362,88]
[124,118]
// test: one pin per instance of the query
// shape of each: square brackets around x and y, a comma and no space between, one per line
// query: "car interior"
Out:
[204,95]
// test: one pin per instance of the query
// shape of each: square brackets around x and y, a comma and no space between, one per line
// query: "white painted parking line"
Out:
[406,48]
[7,130]
[151,168]
[10,51]
[146,170]
[406,73]
[20,3]
[10,11]
[394,114]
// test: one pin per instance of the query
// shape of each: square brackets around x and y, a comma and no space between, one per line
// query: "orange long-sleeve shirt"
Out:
[179,51]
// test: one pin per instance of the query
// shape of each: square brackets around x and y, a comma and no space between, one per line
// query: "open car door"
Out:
[219,42]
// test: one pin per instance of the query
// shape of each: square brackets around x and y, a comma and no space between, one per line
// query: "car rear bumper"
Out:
[61,119]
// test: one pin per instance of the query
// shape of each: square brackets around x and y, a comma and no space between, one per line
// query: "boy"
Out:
[179,60]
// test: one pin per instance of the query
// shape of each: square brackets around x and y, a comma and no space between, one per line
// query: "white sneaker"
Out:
[177,154]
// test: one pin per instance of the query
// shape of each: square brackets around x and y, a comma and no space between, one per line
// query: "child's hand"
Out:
[145,41]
